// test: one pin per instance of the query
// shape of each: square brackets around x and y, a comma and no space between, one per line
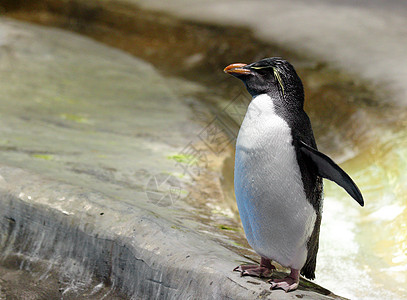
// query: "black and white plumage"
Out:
[278,172]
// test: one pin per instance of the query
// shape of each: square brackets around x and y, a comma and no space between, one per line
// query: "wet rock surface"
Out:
[366,39]
[84,130]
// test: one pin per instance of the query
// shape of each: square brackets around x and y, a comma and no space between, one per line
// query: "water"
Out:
[367,247]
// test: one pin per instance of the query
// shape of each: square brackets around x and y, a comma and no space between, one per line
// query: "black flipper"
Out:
[327,168]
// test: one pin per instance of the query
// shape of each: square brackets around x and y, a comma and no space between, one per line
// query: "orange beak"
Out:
[236,69]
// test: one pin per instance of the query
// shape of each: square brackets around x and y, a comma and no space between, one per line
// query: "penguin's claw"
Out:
[286,284]
[290,283]
[254,270]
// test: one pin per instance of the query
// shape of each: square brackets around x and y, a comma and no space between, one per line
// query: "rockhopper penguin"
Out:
[278,173]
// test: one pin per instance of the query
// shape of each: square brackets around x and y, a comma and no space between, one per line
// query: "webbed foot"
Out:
[265,269]
[289,283]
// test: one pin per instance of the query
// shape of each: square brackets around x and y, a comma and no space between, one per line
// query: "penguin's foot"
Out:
[264,270]
[253,270]
[290,283]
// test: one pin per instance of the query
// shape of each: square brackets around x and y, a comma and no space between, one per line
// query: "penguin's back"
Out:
[277,217]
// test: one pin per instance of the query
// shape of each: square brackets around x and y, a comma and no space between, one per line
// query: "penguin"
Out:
[278,173]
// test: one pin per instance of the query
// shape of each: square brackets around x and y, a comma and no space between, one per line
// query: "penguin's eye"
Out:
[262,70]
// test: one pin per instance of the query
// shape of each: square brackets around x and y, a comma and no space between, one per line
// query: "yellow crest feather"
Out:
[278,77]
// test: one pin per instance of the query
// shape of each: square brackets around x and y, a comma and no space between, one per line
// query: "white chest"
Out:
[264,144]
[263,130]
[275,213]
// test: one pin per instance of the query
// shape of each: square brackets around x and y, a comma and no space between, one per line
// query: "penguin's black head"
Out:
[270,76]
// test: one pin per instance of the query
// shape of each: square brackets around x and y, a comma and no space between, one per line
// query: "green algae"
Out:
[225,227]
[183,158]
[75,118]
[43,156]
